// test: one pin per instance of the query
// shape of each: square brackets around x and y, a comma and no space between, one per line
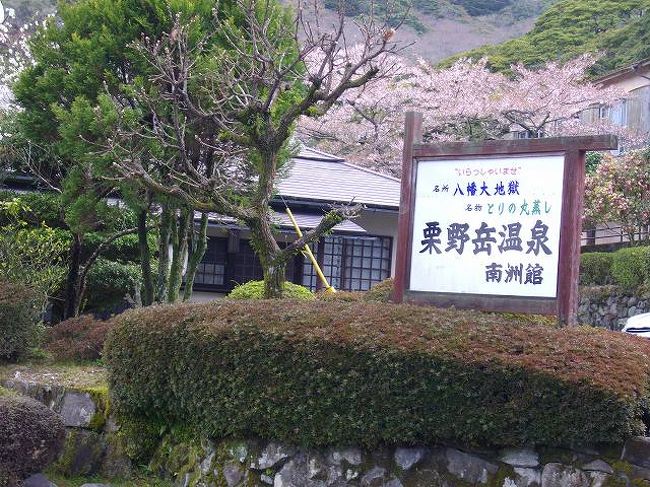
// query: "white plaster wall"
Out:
[632,83]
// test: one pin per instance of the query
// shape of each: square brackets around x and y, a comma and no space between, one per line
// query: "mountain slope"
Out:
[440,28]
[435,28]
[620,29]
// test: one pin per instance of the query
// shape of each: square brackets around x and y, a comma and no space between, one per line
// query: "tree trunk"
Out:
[163,253]
[145,260]
[199,245]
[268,251]
[181,227]
[72,302]
[274,279]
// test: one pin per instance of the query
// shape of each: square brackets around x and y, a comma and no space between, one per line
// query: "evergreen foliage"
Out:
[31,437]
[336,373]
[631,267]
[77,339]
[20,314]
[596,269]
[109,283]
[255,290]
[628,268]
[619,29]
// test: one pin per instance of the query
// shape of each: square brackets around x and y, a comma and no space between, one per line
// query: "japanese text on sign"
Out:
[488,226]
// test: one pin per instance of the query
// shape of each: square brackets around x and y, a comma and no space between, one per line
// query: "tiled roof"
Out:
[320,177]
[306,221]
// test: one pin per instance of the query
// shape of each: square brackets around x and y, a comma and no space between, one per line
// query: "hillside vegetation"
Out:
[620,29]
[434,29]
[508,10]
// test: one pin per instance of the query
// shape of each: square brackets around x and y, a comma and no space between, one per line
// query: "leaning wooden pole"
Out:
[307,251]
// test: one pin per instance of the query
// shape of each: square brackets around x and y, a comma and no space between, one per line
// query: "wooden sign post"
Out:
[493,225]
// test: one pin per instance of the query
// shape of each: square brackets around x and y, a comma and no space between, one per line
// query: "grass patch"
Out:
[74,376]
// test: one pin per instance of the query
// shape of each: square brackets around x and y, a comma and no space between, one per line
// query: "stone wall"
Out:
[92,449]
[609,306]
[260,464]
[91,446]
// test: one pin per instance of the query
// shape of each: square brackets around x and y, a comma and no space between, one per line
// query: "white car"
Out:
[638,325]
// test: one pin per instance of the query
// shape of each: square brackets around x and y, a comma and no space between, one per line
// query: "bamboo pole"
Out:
[308,252]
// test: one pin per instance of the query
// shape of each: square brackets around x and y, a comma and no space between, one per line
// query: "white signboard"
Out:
[488,226]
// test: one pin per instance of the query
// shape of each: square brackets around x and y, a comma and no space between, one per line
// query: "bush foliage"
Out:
[596,269]
[382,292]
[20,314]
[631,267]
[346,296]
[255,290]
[31,436]
[326,373]
[77,339]
[109,283]
[627,267]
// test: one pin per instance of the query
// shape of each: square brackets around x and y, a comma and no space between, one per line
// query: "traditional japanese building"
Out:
[356,255]
[633,111]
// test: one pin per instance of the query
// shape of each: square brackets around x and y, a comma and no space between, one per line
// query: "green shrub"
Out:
[324,373]
[381,292]
[125,249]
[31,436]
[596,269]
[77,339]
[20,314]
[38,208]
[255,290]
[631,267]
[109,282]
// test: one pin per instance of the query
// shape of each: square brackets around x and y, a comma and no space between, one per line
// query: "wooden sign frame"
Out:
[565,304]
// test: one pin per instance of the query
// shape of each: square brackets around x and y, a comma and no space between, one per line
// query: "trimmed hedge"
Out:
[77,339]
[596,269]
[255,290]
[631,267]
[341,373]
[20,315]
[382,292]
[31,437]
[346,296]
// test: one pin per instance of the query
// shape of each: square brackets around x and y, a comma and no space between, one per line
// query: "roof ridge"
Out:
[371,171]
[326,156]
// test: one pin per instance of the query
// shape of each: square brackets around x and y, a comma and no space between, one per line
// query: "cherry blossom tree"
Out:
[15,53]
[464,102]
[619,191]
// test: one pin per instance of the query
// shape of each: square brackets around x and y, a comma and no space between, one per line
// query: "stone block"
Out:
[272,455]
[233,473]
[37,480]
[405,458]
[353,456]
[598,466]
[558,475]
[637,451]
[519,457]
[375,477]
[83,453]
[77,409]
[295,473]
[469,468]
[528,477]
